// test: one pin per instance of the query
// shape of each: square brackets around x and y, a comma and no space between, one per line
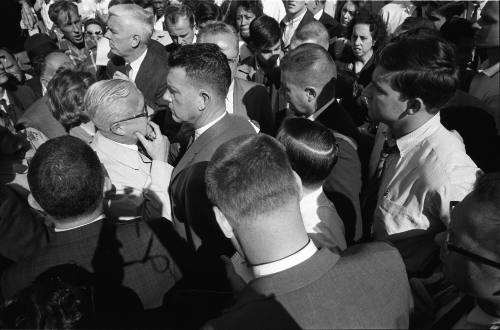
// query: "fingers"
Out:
[142,138]
[156,128]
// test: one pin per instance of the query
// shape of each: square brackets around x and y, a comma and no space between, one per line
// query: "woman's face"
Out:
[243,19]
[94,32]
[361,40]
[348,12]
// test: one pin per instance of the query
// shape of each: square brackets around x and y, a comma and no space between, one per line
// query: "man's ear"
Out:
[204,100]
[117,129]
[223,223]
[311,94]
[299,184]
[414,105]
[135,40]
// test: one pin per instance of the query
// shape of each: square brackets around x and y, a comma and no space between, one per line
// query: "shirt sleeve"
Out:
[161,172]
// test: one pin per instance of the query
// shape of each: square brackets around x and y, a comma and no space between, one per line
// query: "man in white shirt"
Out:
[256,196]
[140,176]
[296,15]
[180,23]
[422,167]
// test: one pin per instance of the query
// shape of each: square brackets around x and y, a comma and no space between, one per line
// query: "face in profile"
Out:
[70,25]
[138,122]
[9,68]
[182,97]
[182,33]
[296,95]
[118,36]
[228,45]
[488,34]
[243,19]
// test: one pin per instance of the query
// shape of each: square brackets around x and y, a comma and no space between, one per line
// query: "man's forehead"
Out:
[226,42]
[381,74]
[176,75]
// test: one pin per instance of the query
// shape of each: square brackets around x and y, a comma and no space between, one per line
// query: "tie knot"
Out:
[128,68]
[390,146]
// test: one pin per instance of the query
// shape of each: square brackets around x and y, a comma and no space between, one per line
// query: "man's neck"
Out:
[490,308]
[402,128]
[297,14]
[80,220]
[316,10]
[307,190]
[135,55]
[210,116]
[119,138]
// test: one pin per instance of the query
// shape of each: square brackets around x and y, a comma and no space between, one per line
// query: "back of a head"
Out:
[65,93]
[136,18]
[457,29]
[215,28]
[107,101]
[205,65]
[37,45]
[66,178]
[411,23]
[250,176]
[206,11]
[174,13]
[264,32]
[313,32]
[311,149]
[422,65]
[309,64]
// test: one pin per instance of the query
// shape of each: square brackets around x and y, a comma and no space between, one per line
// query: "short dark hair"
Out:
[264,32]
[311,149]
[411,23]
[375,23]
[204,64]
[206,11]
[174,13]
[66,178]
[255,6]
[65,93]
[144,3]
[39,63]
[95,21]
[248,176]
[61,7]
[423,66]
[457,29]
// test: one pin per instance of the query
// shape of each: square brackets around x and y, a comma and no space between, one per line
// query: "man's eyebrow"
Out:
[376,84]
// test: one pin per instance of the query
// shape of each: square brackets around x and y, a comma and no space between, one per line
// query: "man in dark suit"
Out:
[139,59]
[67,181]
[317,8]
[256,196]
[308,78]
[198,81]
[244,98]
[296,16]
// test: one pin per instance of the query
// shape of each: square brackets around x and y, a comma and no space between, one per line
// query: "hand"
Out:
[157,145]
[236,281]
[120,75]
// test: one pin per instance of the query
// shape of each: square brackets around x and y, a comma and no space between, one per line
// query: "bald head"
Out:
[51,64]
[309,65]
[313,32]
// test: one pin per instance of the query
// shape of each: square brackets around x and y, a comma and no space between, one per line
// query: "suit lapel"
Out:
[238,93]
[143,76]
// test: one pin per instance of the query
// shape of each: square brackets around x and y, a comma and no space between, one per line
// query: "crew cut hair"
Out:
[205,65]
[422,66]
[311,148]
[250,176]
[66,178]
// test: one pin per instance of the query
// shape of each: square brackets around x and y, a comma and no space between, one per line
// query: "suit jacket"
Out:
[151,80]
[36,86]
[366,287]
[251,100]
[334,28]
[308,17]
[21,98]
[126,253]
[39,116]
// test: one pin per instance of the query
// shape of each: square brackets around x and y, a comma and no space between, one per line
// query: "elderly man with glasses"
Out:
[471,254]
[131,148]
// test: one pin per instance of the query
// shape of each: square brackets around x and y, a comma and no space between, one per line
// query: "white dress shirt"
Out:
[286,263]
[136,65]
[141,184]
[429,170]
[290,27]
[204,128]
[321,220]
[317,16]
[229,98]
[100,217]
[274,9]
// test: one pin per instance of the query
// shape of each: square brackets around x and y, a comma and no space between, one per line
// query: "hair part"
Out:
[174,13]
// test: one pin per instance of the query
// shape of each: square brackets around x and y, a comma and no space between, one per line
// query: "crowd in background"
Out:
[249,164]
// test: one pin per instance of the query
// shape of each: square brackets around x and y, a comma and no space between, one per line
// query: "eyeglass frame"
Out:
[143,114]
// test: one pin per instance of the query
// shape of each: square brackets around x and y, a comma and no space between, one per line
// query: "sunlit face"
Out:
[293,7]
[228,44]
[384,103]
[182,33]
[119,36]
[131,125]
[488,35]
[94,32]
[55,61]
[348,13]
[182,97]
[159,6]
[70,25]
[361,40]
[9,68]
[269,55]
[296,95]
[243,19]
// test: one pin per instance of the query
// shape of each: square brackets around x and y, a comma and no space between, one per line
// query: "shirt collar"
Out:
[229,98]
[203,129]
[317,113]
[127,154]
[488,70]
[410,140]
[319,14]
[296,20]
[136,64]
[5,97]
[478,316]
[286,263]
[100,217]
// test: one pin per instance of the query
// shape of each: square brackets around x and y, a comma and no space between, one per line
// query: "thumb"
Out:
[141,138]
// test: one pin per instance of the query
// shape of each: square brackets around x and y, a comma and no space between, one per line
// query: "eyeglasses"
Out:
[451,247]
[143,114]
[96,33]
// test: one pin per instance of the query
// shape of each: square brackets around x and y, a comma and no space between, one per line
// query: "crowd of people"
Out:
[250,164]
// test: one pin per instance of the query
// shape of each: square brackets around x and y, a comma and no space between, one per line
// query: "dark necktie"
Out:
[370,193]
[128,68]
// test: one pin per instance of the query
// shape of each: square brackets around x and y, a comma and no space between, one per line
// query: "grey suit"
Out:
[39,116]
[365,288]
